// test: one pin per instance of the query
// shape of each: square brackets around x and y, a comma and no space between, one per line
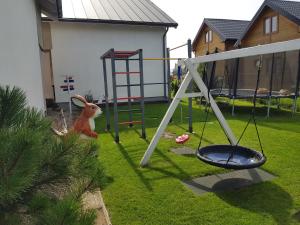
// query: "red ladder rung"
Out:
[124,54]
[125,73]
[130,122]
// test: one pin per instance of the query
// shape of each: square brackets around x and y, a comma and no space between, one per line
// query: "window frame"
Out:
[270,18]
[265,25]
[208,36]
[277,25]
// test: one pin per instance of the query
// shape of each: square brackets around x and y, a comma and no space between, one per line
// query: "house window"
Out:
[274,24]
[267,26]
[271,25]
[208,37]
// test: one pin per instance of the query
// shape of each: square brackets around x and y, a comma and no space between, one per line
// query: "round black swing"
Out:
[232,156]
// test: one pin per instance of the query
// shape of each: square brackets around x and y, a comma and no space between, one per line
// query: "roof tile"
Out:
[226,29]
[116,11]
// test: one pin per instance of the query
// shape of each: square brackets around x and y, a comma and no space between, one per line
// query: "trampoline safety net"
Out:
[236,78]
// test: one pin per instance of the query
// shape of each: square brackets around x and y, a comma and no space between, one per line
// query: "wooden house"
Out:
[217,35]
[275,21]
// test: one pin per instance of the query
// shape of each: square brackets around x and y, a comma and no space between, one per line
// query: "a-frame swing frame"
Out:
[181,93]
[193,75]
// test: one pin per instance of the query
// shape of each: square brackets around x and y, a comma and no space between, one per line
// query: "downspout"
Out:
[164,62]
[59,9]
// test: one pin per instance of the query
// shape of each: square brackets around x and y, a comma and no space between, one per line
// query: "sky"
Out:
[189,14]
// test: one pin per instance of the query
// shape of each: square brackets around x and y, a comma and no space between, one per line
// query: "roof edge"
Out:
[121,22]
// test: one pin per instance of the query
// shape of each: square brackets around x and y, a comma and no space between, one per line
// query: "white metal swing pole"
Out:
[166,119]
[180,94]
[227,130]
[239,53]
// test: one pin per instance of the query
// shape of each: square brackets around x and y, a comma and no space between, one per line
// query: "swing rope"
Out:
[252,117]
[253,114]
[207,106]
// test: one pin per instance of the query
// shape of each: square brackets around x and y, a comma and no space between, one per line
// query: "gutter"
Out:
[121,22]
[59,8]
[164,61]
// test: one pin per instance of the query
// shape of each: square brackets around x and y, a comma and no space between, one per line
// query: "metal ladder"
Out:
[126,56]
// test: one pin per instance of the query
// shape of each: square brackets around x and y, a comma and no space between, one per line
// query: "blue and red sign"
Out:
[68,86]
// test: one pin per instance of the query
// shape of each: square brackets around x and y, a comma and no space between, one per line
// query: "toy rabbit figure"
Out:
[85,123]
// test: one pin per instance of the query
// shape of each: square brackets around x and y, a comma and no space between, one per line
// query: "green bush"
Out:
[175,83]
[35,164]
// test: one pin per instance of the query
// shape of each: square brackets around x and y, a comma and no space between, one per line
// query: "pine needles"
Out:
[34,164]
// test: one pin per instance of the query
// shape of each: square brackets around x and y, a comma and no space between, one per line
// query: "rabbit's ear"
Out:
[78,101]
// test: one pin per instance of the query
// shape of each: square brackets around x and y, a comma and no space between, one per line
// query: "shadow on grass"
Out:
[172,164]
[284,124]
[279,119]
[266,198]
[261,110]
[296,216]
[133,165]
[180,174]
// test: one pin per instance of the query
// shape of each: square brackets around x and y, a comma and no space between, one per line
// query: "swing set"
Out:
[232,155]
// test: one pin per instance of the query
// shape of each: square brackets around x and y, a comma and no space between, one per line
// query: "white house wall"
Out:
[77,49]
[19,55]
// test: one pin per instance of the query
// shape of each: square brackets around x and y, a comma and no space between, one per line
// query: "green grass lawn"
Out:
[155,195]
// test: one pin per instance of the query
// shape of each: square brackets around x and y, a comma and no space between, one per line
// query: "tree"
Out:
[42,176]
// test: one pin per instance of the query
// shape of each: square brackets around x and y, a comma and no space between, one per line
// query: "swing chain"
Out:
[253,114]
[207,106]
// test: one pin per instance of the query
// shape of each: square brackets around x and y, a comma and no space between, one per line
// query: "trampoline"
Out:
[235,78]
[231,157]
[248,93]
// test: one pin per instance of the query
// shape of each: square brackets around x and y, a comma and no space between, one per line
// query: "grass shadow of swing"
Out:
[266,198]
[141,174]
[172,165]
[169,171]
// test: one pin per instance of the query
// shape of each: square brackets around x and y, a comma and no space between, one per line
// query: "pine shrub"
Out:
[42,176]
